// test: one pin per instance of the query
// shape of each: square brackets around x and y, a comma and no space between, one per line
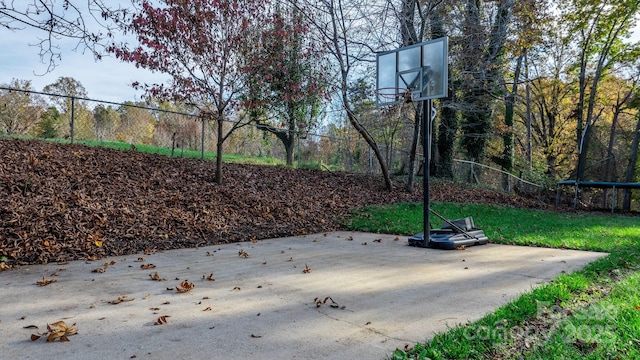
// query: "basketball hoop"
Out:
[393,95]
[394,99]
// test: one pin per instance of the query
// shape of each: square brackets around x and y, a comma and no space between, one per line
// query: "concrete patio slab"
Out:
[384,293]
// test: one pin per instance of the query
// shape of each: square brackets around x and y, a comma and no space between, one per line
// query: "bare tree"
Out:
[633,154]
[597,29]
[86,24]
[351,36]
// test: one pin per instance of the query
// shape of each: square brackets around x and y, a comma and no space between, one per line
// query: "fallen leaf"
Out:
[377,240]
[364,243]
[156,277]
[147,266]
[210,277]
[208,308]
[45,281]
[237,288]
[307,269]
[161,320]
[30,327]
[332,303]
[256,336]
[121,299]
[243,254]
[185,286]
[141,259]
[35,337]
[59,330]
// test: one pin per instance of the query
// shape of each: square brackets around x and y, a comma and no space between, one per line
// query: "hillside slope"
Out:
[69,202]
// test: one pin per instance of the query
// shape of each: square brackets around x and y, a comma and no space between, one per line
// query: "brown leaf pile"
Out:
[57,331]
[69,202]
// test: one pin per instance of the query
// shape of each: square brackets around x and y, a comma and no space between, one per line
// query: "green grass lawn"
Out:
[593,313]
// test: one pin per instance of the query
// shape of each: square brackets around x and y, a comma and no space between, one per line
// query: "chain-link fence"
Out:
[479,174]
[183,132]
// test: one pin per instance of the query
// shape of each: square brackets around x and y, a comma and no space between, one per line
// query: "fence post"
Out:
[71,123]
[202,140]
[298,143]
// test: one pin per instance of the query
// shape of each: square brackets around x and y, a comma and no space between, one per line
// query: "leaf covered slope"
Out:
[69,202]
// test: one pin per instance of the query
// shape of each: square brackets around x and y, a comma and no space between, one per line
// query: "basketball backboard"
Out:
[418,71]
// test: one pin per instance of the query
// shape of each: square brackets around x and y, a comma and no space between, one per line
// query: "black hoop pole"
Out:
[426,148]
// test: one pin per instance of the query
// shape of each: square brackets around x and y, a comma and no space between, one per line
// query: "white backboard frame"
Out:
[421,68]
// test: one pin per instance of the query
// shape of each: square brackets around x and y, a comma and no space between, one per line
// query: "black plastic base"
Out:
[449,240]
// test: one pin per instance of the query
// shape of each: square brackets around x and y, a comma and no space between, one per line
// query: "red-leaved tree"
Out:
[289,80]
[202,45]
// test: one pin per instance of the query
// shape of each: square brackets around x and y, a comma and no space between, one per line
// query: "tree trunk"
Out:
[336,36]
[631,167]
[528,114]
[485,68]
[409,37]
[508,137]
[604,54]
[219,143]
[447,132]
[610,159]
[289,149]
[413,150]
[367,137]
[448,127]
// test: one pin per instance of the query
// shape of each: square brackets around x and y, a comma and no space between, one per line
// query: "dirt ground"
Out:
[72,202]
